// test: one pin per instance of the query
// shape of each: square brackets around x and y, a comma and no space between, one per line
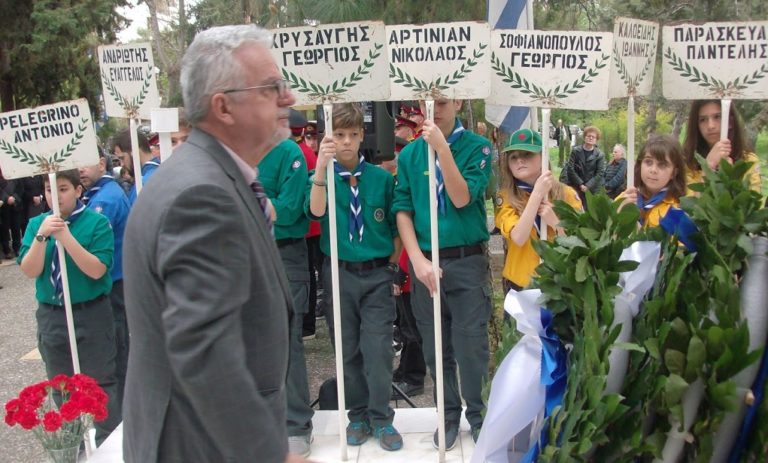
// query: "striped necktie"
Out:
[646,206]
[56,281]
[261,196]
[529,188]
[458,131]
[356,224]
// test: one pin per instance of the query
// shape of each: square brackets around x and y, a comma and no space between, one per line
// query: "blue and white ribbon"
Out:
[56,280]
[356,225]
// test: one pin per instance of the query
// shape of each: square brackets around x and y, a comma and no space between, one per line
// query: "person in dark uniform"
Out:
[463,164]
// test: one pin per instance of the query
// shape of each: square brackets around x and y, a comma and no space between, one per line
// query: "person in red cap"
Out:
[417,116]
[404,128]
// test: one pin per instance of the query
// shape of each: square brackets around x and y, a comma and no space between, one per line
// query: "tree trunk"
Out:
[157,42]
[650,120]
[6,80]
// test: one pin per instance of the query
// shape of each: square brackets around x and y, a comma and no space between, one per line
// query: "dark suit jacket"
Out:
[208,308]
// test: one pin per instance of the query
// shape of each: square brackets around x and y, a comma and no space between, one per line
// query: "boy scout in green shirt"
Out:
[463,165]
[89,243]
[368,253]
[283,174]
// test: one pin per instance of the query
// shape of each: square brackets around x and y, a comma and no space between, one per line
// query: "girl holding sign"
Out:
[703,138]
[525,197]
[659,180]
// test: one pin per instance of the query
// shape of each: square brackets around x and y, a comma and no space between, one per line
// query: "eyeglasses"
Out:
[280,86]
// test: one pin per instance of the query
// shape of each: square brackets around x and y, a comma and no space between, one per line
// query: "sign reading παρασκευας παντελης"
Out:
[333,63]
[128,80]
[552,69]
[716,60]
[440,60]
[634,57]
[47,139]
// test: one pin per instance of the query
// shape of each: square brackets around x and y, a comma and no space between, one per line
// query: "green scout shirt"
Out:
[458,227]
[376,189]
[283,173]
[93,232]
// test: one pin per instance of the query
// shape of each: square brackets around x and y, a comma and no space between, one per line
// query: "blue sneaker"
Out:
[358,432]
[389,438]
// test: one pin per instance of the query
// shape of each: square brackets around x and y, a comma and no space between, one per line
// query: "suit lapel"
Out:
[212,146]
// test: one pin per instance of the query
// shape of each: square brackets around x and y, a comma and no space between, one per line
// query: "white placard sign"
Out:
[634,56]
[333,63]
[47,139]
[128,80]
[716,60]
[440,60]
[552,69]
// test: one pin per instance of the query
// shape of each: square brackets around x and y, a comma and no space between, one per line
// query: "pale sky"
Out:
[137,14]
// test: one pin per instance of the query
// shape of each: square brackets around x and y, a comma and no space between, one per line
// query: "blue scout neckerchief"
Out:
[56,281]
[458,131]
[261,196]
[646,206]
[92,191]
[356,224]
[529,188]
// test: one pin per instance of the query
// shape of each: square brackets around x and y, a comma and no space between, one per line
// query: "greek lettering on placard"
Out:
[635,49]
[554,42]
[637,31]
[727,51]
[425,35]
[126,74]
[41,124]
[327,55]
[735,33]
[548,60]
[322,37]
[124,55]
[424,54]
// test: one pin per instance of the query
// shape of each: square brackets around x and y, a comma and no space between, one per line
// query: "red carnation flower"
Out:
[52,421]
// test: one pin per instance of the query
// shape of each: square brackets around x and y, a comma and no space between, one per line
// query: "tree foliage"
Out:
[48,49]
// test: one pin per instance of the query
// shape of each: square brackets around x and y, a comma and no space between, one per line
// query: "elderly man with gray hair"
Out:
[616,172]
[207,299]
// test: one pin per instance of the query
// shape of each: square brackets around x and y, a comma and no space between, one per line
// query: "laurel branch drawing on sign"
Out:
[333,91]
[632,82]
[717,88]
[51,163]
[435,88]
[547,97]
[131,107]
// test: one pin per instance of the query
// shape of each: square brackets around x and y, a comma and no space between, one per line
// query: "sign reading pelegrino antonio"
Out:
[440,60]
[47,139]
[634,57]
[552,69]
[333,63]
[716,60]
[128,80]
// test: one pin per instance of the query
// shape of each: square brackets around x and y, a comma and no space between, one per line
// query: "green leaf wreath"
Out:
[435,89]
[546,97]
[632,82]
[717,88]
[51,163]
[334,91]
[130,106]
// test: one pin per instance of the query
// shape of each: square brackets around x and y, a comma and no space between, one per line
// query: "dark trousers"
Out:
[315,266]
[122,339]
[10,228]
[367,315]
[412,368]
[95,335]
[465,294]
[298,412]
